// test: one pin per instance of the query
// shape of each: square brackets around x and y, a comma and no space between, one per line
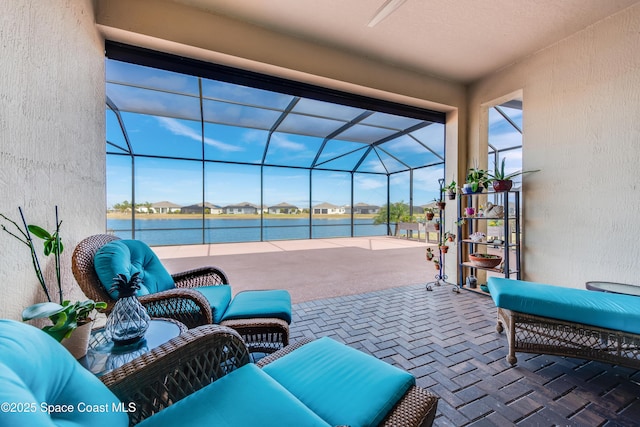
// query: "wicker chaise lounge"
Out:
[546,319]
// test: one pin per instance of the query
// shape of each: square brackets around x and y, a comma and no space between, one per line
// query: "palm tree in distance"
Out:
[398,211]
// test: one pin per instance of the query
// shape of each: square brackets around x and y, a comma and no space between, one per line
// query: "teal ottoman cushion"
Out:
[342,385]
[260,304]
[218,298]
[246,397]
[601,309]
[128,257]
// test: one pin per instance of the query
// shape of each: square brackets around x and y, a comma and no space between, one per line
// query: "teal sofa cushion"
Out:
[260,304]
[218,298]
[342,385]
[37,373]
[128,257]
[601,309]
[243,398]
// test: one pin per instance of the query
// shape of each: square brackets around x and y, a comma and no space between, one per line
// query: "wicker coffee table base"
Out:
[541,335]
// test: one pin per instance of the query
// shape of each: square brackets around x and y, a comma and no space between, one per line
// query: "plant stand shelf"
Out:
[508,246]
[441,277]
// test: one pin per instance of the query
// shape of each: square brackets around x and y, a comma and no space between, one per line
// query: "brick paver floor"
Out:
[449,343]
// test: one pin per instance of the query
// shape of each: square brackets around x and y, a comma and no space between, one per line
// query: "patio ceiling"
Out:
[166,113]
[461,40]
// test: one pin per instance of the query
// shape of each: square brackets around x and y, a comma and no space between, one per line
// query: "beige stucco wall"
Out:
[51,134]
[580,120]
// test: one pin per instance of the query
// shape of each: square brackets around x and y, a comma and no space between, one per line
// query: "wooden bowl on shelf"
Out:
[485,260]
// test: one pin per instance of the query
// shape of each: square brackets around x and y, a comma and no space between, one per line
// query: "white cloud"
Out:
[366,183]
[177,128]
[280,141]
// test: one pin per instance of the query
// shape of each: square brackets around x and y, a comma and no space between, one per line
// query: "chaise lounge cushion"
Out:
[35,370]
[245,397]
[600,309]
[342,385]
[260,304]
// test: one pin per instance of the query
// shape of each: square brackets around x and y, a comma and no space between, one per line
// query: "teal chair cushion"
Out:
[260,304]
[37,373]
[218,298]
[601,309]
[342,385]
[128,257]
[246,397]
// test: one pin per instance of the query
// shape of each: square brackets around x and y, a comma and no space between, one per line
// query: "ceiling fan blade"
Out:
[385,10]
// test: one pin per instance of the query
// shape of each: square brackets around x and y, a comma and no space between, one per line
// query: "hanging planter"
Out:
[429,254]
[429,214]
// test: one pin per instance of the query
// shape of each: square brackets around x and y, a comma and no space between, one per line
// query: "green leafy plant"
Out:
[66,317]
[397,212]
[477,178]
[500,175]
[451,189]
[447,237]
[52,245]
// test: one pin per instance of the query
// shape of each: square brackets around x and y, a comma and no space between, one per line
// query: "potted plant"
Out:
[65,316]
[477,180]
[429,213]
[429,254]
[446,238]
[440,203]
[449,236]
[502,181]
[436,262]
[451,190]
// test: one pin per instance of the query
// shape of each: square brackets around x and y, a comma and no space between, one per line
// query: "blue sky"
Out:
[161,114]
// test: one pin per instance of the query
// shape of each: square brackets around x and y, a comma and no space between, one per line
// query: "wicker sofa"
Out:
[203,377]
[545,319]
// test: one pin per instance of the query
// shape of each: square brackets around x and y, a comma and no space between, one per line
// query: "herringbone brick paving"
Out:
[449,343]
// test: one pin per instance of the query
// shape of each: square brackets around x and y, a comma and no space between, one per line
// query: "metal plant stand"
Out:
[441,277]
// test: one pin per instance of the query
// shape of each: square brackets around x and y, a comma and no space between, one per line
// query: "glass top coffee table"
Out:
[615,288]
[103,356]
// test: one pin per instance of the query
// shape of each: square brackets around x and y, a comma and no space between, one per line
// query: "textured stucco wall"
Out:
[51,134]
[581,108]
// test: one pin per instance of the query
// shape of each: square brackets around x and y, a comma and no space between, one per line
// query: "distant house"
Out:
[165,207]
[199,208]
[363,208]
[328,209]
[283,208]
[241,208]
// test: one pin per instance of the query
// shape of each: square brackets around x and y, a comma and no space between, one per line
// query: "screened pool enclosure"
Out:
[198,153]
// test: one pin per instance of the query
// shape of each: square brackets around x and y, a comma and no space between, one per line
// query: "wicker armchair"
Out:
[182,303]
[176,369]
